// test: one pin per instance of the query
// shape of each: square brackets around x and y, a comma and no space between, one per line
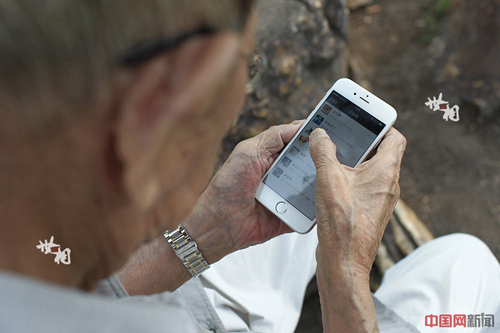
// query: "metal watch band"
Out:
[187,250]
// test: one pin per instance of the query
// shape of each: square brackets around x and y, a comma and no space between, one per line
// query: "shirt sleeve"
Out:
[191,297]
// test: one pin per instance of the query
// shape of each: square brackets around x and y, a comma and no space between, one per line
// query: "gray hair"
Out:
[57,55]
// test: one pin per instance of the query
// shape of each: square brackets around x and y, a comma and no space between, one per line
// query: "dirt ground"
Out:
[451,170]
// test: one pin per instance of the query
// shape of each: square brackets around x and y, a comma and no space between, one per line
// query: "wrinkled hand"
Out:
[227,217]
[354,204]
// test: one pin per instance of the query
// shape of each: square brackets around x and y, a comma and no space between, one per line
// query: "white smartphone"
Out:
[356,121]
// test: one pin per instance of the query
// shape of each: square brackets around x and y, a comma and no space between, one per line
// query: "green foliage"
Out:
[441,8]
[434,20]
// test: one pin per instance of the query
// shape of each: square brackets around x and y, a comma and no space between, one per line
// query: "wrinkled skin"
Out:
[354,204]
[229,199]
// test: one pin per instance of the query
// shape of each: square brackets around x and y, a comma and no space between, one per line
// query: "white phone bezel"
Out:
[360,97]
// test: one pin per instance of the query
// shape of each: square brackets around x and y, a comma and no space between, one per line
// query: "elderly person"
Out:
[112,116]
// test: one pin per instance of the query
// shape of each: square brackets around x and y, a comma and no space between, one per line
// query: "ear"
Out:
[159,95]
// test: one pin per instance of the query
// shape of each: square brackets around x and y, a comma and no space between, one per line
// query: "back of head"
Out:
[58,56]
[69,165]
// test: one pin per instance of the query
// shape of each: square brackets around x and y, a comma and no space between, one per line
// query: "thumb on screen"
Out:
[323,150]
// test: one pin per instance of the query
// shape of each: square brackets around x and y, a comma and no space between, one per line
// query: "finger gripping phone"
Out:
[356,121]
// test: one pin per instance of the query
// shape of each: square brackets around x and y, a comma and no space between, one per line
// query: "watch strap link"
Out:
[186,250]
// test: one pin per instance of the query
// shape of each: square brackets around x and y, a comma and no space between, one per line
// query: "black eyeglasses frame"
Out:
[149,50]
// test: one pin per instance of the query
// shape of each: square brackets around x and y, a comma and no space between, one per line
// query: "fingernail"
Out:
[295,122]
[318,132]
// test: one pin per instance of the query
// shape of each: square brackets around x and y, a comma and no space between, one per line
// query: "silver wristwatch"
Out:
[187,250]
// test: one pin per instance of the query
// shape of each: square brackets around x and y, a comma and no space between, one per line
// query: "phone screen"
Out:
[352,130]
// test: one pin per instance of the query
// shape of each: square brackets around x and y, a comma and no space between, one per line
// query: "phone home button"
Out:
[281,207]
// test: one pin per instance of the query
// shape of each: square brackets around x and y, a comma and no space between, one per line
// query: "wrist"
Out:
[207,229]
[342,275]
[343,261]
[186,249]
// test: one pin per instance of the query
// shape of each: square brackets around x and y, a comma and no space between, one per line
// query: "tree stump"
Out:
[305,42]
